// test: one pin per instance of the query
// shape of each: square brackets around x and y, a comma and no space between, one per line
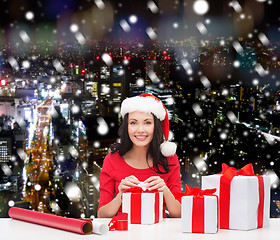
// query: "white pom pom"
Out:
[168,148]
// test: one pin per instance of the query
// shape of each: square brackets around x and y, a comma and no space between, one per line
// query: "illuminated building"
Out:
[5,149]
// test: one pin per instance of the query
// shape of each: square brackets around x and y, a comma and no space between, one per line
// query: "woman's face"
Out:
[140,128]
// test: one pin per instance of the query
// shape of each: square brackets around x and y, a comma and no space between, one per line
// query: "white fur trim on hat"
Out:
[168,148]
[143,104]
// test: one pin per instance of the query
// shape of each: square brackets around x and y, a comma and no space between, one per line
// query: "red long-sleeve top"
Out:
[115,169]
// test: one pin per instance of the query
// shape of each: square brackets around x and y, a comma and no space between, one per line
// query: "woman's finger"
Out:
[151,179]
[133,179]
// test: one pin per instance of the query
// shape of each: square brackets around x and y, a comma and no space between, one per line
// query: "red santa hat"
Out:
[150,104]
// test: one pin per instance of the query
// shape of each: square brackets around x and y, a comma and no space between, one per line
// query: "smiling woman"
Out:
[141,156]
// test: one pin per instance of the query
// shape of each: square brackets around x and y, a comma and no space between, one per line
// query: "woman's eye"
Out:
[132,123]
[148,123]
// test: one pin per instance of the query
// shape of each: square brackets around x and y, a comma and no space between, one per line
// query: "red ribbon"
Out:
[135,204]
[119,222]
[189,191]
[139,190]
[198,205]
[228,174]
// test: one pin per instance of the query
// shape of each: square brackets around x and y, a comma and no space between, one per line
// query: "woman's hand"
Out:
[155,183]
[128,182]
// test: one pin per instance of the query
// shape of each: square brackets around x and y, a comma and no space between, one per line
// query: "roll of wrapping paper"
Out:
[68,224]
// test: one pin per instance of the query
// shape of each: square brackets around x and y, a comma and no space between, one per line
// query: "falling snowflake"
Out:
[13,62]
[175,25]
[260,70]
[11,203]
[37,187]
[57,65]
[105,89]
[125,26]
[22,154]
[96,144]
[100,4]
[125,62]
[223,136]
[103,127]
[29,15]
[133,19]
[52,80]
[201,28]
[152,6]
[206,83]
[263,38]
[140,82]
[61,158]
[171,136]
[107,59]
[154,78]
[25,64]
[191,135]
[73,192]
[73,151]
[201,7]
[151,33]
[232,117]
[236,6]
[187,66]
[274,179]
[116,109]
[75,109]
[24,37]
[170,101]
[55,207]
[200,164]
[197,109]
[236,64]
[5,168]
[255,82]
[237,46]
[74,28]
[80,38]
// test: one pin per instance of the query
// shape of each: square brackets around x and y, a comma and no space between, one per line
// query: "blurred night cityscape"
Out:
[66,66]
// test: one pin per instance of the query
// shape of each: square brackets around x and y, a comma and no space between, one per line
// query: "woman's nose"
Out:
[140,128]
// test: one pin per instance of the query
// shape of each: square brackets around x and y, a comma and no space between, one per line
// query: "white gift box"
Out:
[244,200]
[148,208]
[210,223]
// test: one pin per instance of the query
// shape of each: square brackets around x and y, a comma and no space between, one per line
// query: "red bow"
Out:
[139,190]
[231,172]
[189,191]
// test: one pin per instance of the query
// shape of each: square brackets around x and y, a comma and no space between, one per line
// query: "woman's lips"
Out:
[141,137]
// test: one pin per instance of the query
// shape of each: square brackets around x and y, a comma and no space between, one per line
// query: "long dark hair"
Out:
[154,147]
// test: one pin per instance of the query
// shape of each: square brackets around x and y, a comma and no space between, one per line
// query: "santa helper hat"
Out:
[150,104]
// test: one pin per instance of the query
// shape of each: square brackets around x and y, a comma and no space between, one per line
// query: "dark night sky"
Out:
[225,21]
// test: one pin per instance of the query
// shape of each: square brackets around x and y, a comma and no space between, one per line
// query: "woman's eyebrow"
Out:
[147,119]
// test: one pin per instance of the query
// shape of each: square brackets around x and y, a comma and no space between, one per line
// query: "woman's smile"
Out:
[141,137]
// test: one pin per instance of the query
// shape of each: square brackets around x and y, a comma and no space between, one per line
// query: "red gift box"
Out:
[199,211]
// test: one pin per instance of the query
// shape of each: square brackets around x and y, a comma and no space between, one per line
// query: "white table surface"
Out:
[12,229]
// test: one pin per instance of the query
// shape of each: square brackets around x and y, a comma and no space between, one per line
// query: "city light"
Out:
[3,82]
